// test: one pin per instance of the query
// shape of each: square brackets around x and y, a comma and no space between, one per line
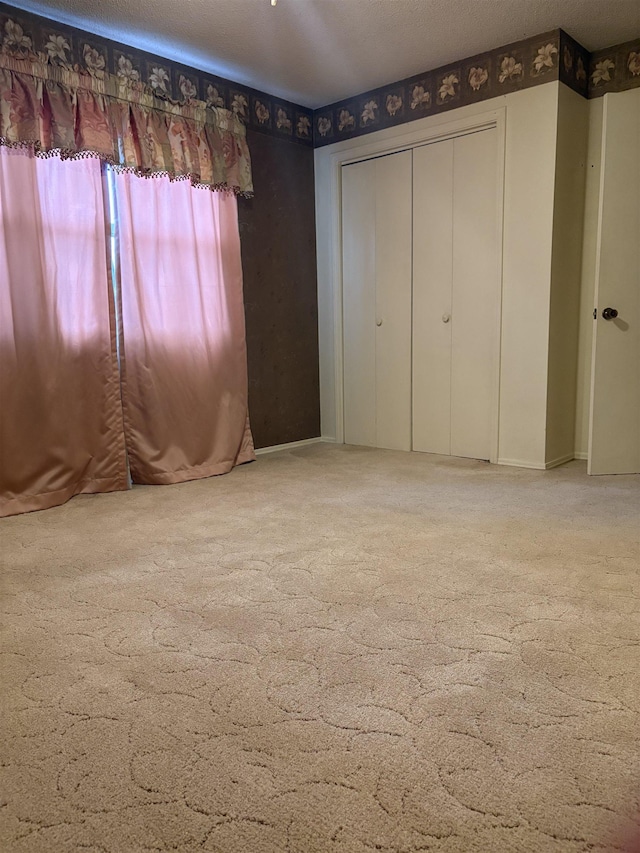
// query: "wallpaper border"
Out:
[476,78]
[550,56]
[614,69]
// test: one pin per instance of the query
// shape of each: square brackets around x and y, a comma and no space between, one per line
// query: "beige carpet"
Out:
[332,650]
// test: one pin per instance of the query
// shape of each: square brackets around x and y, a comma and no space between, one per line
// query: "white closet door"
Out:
[376,232]
[359,302]
[474,303]
[393,301]
[432,275]
[455,292]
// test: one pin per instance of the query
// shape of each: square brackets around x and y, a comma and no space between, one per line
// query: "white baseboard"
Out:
[291,445]
[515,463]
[522,463]
[537,466]
[559,461]
[580,454]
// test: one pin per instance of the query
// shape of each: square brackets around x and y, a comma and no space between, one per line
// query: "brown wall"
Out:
[277,232]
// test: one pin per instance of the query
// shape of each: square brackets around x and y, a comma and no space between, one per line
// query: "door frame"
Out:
[329,161]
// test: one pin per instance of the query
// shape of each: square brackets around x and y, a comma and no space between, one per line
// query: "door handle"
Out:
[446,318]
[610,313]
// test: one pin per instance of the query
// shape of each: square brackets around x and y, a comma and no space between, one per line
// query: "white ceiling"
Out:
[315,52]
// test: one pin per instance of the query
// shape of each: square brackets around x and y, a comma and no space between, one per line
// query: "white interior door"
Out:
[614,427]
[376,240]
[455,295]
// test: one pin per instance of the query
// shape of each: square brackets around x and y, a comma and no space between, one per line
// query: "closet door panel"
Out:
[432,272]
[474,293]
[393,301]
[359,301]
[376,260]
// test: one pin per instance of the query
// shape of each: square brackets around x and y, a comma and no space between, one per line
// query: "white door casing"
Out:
[329,214]
[421,297]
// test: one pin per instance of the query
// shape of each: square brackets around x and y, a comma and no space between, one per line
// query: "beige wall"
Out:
[566,262]
[529,184]
[588,276]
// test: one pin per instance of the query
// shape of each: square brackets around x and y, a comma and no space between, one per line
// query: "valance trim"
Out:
[121,89]
[72,113]
[34,147]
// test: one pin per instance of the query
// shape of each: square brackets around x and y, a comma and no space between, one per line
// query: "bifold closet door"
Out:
[376,272]
[455,293]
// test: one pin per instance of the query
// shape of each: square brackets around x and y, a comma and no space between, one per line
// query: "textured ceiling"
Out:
[315,52]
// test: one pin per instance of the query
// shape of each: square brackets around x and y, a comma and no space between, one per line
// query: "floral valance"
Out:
[82,112]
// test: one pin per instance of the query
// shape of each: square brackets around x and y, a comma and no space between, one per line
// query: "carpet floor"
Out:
[331,650]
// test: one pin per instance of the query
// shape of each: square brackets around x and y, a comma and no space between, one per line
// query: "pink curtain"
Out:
[184,364]
[60,410]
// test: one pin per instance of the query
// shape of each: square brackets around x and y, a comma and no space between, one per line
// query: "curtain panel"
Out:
[183,354]
[77,113]
[60,409]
